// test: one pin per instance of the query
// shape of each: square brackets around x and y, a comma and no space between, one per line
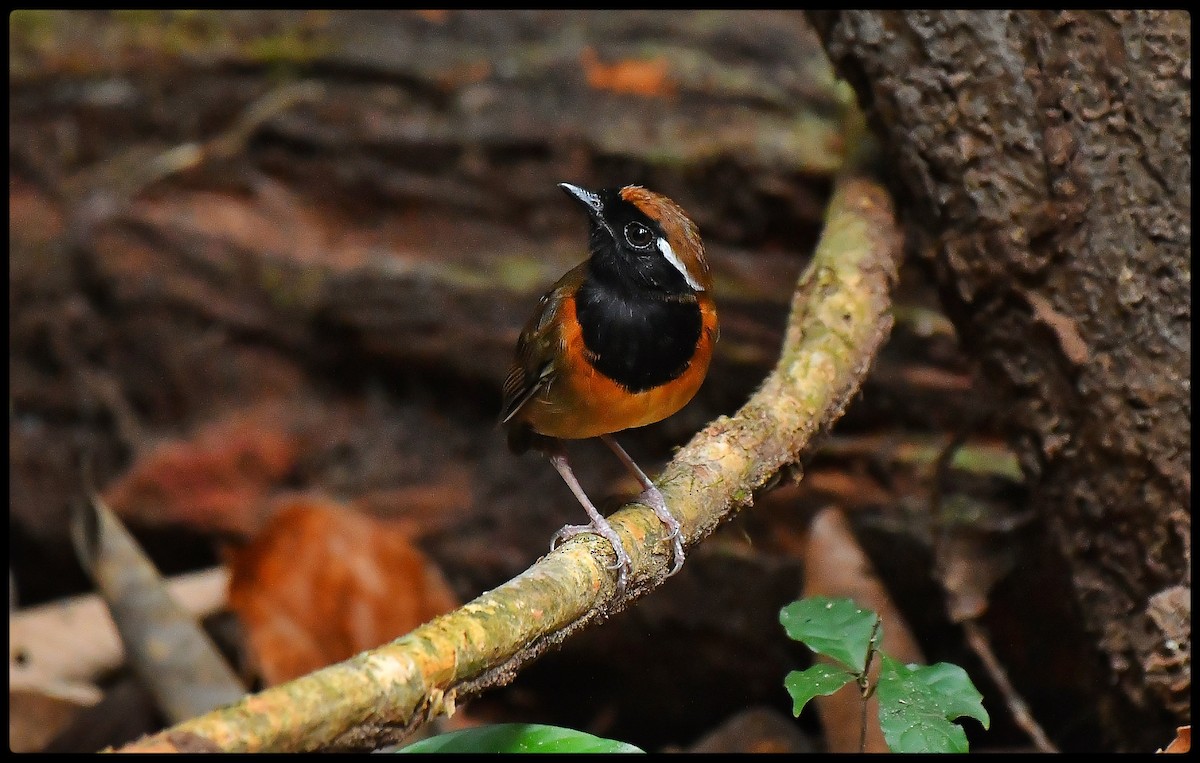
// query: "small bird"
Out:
[622,340]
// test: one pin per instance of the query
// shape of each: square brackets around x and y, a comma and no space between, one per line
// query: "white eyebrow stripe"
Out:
[669,253]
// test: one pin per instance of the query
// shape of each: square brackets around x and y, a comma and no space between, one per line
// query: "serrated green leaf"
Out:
[518,737]
[917,705]
[836,628]
[818,681]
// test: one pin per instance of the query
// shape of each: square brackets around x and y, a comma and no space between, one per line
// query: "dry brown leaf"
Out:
[649,78]
[216,481]
[835,566]
[35,716]
[969,564]
[322,583]
[757,730]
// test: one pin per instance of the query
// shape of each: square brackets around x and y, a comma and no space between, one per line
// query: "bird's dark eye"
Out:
[638,235]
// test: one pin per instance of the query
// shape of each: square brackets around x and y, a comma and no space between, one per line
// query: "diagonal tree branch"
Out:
[840,318]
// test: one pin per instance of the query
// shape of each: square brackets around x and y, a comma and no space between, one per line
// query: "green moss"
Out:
[294,45]
[139,18]
[191,32]
[520,274]
[923,321]
[295,40]
[182,32]
[989,462]
[32,27]
[31,34]
[289,287]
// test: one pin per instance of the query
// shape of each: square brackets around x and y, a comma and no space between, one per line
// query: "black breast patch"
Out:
[639,339]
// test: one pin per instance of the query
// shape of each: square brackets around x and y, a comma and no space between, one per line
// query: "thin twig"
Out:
[982,646]
[976,637]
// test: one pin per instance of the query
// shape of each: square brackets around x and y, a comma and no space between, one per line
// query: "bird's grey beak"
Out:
[587,198]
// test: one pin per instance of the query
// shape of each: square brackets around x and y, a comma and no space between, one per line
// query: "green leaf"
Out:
[819,680]
[518,737]
[836,628]
[917,705]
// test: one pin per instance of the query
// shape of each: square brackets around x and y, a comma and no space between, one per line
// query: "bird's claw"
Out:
[653,498]
[567,532]
[623,564]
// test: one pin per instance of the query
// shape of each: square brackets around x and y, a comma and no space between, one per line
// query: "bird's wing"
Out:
[533,367]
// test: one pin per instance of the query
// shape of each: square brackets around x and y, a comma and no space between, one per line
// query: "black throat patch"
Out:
[639,338]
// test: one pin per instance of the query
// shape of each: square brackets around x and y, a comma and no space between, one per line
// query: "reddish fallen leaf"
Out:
[1182,741]
[322,583]
[218,480]
[649,78]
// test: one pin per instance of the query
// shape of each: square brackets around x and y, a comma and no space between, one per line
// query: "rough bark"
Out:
[1043,163]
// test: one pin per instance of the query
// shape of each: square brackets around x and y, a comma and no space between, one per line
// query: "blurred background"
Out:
[267,270]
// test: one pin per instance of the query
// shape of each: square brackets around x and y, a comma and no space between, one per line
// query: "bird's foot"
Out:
[606,531]
[653,498]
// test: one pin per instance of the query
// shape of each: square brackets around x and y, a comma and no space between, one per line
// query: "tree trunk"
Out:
[1043,163]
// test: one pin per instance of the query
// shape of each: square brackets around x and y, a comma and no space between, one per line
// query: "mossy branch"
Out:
[839,319]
